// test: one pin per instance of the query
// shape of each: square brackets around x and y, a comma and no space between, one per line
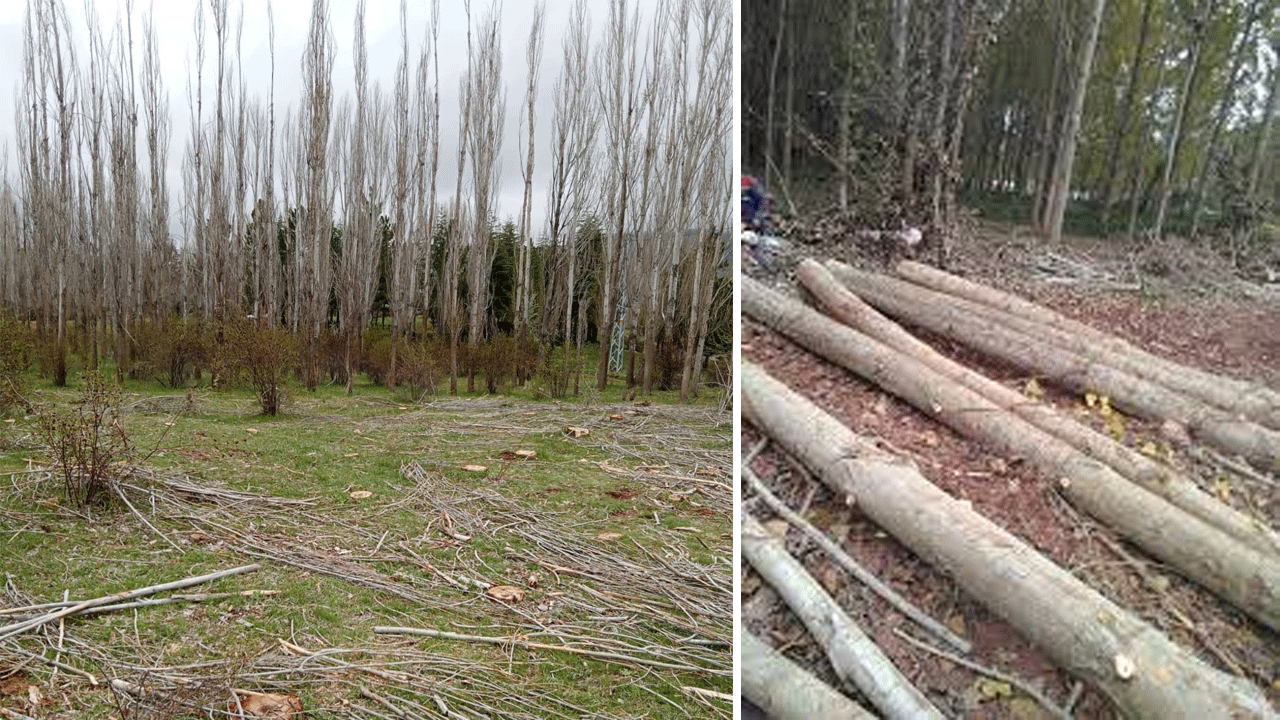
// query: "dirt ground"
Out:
[1174,300]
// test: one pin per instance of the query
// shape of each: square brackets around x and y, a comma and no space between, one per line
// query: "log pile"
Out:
[1162,512]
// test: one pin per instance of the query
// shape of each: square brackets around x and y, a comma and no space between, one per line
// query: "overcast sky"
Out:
[174,21]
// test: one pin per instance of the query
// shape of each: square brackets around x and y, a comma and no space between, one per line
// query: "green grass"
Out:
[323,446]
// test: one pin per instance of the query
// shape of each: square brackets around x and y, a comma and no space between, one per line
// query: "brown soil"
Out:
[1210,323]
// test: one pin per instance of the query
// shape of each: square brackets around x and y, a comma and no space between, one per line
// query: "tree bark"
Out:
[1081,630]
[835,300]
[856,659]
[965,323]
[1248,580]
[786,691]
[1126,112]
[1254,401]
[1060,188]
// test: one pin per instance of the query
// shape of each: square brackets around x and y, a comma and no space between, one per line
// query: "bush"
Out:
[87,441]
[421,366]
[15,339]
[171,352]
[264,356]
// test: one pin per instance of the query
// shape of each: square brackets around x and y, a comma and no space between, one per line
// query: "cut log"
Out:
[950,317]
[841,304]
[1242,576]
[854,656]
[1086,634]
[1254,401]
[786,691]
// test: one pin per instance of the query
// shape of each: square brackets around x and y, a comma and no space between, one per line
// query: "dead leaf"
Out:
[577,432]
[268,706]
[1222,489]
[989,689]
[505,593]
[351,455]
[609,536]
[34,696]
[615,417]
[777,527]
[474,468]
[1033,390]
[201,537]
[360,494]
[677,497]
[533,580]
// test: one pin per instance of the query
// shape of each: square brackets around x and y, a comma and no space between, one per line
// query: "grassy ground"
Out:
[362,514]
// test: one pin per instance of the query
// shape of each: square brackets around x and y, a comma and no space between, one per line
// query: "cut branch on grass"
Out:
[854,656]
[1081,630]
[9,631]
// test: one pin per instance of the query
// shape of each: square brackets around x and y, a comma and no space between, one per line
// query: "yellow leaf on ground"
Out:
[1033,390]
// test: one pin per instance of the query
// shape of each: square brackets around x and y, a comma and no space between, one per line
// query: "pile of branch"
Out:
[1131,662]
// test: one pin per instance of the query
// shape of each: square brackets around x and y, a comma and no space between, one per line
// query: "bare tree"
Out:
[404,260]
[484,134]
[313,271]
[161,254]
[620,79]
[533,54]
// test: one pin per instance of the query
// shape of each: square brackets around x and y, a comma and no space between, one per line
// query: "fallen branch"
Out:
[517,642]
[1025,687]
[855,657]
[9,631]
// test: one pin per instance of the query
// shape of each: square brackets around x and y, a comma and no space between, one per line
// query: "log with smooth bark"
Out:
[854,656]
[1256,402]
[1132,663]
[1242,576]
[956,319]
[786,691]
[838,302]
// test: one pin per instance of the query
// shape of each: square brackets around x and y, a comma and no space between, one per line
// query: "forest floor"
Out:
[369,511]
[1172,300]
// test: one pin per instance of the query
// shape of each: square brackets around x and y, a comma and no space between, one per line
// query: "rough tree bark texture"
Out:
[835,300]
[958,320]
[1244,577]
[1082,631]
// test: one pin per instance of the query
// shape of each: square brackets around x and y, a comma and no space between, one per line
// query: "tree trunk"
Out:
[1250,580]
[957,320]
[1060,188]
[1268,121]
[834,299]
[1251,400]
[1081,630]
[1126,112]
[786,691]
[1199,27]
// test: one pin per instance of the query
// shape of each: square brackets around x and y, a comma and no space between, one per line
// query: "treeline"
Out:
[1144,116]
[323,217]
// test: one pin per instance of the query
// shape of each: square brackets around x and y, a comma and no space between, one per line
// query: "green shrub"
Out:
[171,352]
[15,340]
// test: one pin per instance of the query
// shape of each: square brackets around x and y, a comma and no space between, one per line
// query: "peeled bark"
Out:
[835,300]
[959,321]
[1082,631]
[1202,553]
[1254,401]
[855,657]
[786,691]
